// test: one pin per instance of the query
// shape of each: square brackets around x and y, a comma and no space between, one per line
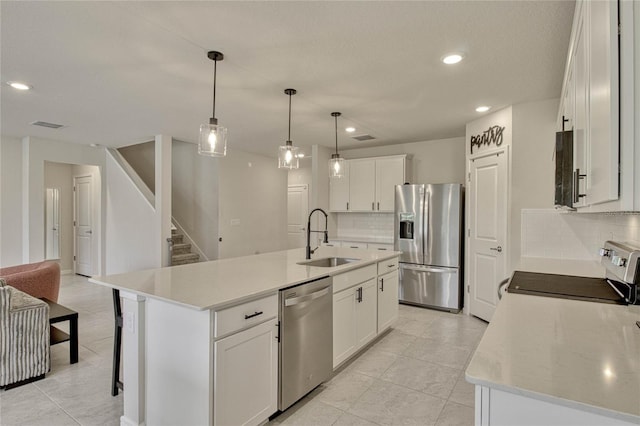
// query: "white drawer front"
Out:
[351,244]
[387,266]
[332,244]
[241,316]
[351,278]
[381,247]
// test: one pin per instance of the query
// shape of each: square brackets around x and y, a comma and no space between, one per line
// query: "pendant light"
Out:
[336,164]
[213,137]
[288,154]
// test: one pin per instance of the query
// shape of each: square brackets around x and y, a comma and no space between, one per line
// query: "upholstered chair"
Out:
[40,279]
[24,337]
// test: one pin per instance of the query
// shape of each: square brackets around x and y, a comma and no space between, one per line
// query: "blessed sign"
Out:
[492,135]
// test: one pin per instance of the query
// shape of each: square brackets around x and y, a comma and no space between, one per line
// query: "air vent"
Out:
[363,137]
[45,124]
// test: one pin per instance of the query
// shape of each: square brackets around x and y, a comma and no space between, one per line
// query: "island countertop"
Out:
[218,283]
[577,354]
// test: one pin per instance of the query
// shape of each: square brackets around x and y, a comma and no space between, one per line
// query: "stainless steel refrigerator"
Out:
[428,231]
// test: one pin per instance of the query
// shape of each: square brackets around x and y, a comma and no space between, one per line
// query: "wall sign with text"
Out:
[493,135]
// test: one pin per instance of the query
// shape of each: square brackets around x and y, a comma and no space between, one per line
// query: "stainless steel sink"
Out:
[328,262]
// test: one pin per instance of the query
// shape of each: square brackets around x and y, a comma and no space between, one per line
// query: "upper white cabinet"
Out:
[597,104]
[339,191]
[368,186]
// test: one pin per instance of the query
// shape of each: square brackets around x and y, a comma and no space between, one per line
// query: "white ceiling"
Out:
[117,73]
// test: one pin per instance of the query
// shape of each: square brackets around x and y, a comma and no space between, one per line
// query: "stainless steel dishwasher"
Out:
[306,339]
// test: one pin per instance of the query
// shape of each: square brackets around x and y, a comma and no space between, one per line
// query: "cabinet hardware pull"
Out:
[253,315]
[576,185]
[392,265]
[378,205]
[373,205]
[347,205]
[278,335]
[359,294]
[381,284]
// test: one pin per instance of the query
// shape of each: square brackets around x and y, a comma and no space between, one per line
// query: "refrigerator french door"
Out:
[428,231]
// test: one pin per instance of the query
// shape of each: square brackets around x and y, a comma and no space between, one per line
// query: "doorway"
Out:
[83,225]
[488,231]
[297,212]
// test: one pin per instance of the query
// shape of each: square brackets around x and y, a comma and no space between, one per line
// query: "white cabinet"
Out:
[389,173]
[368,184]
[362,185]
[366,312]
[592,106]
[246,376]
[381,247]
[339,191]
[387,300]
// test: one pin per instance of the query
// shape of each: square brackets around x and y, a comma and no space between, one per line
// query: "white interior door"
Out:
[488,225]
[297,212]
[83,225]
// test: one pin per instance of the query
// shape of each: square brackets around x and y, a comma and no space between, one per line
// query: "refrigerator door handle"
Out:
[427,268]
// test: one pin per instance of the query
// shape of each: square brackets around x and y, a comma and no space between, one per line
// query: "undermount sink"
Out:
[328,262]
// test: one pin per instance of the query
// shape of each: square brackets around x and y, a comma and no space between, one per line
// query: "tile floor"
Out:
[413,375]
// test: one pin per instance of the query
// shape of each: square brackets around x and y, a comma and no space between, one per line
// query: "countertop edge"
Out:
[321,273]
[619,415]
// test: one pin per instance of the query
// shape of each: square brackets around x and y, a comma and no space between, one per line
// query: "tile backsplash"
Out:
[557,234]
[378,225]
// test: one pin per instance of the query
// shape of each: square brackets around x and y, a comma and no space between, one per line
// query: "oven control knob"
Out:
[605,252]
[618,261]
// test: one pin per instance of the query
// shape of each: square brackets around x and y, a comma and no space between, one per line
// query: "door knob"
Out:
[89,232]
[498,249]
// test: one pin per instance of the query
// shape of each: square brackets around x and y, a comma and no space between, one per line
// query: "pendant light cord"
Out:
[289,139]
[215,63]
[336,117]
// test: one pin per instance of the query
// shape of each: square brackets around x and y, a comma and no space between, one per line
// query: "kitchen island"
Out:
[548,361]
[200,341]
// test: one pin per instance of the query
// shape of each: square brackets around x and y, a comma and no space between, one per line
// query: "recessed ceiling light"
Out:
[453,58]
[350,129]
[18,86]
[301,155]
[483,108]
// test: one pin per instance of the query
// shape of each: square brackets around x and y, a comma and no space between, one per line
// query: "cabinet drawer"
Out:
[351,278]
[350,244]
[382,247]
[241,316]
[387,266]
[332,244]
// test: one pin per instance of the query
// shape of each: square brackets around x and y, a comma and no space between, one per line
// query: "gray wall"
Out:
[59,175]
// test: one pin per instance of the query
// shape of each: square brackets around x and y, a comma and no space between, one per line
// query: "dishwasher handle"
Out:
[296,300]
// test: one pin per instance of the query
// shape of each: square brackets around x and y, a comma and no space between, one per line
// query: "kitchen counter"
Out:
[575,354]
[369,240]
[218,283]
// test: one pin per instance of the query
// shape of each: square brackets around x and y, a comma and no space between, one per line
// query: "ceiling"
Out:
[117,73]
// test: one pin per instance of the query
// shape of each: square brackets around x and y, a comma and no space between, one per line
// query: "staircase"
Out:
[181,254]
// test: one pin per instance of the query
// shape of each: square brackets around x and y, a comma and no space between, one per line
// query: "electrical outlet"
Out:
[129,321]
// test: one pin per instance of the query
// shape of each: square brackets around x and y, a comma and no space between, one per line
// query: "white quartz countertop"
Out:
[219,283]
[577,354]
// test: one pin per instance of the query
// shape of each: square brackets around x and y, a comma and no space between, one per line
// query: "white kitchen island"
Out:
[200,341]
[548,361]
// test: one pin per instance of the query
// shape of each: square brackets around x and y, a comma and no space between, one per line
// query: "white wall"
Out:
[319,195]
[130,228]
[195,196]
[302,175]
[252,204]
[10,202]
[23,192]
[142,158]
[58,175]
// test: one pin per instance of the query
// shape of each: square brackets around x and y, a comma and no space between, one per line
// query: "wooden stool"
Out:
[117,344]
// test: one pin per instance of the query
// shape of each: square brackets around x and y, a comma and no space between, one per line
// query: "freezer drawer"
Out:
[431,286]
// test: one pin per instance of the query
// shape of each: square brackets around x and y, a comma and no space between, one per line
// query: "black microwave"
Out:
[564,194]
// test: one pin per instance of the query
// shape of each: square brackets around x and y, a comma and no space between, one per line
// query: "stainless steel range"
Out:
[622,262]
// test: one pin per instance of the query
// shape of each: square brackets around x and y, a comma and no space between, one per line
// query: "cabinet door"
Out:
[387,300]
[366,313]
[339,191]
[603,154]
[344,325]
[362,185]
[580,134]
[389,173]
[246,376]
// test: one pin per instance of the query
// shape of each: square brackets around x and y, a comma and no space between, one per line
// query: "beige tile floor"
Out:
[413,375]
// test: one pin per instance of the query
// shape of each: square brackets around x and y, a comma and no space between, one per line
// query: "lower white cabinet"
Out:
[387,300]
[354,319]
[245,389]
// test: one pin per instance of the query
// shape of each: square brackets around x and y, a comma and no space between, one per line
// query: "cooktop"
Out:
[564,287]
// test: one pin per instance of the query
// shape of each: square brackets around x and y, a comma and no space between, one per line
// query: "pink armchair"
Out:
[41,279]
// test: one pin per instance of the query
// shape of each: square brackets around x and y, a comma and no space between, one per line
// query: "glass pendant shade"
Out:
[213,140]
[336,166]
[288,156]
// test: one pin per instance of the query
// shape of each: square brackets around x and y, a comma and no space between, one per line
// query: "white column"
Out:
[133,359]
[163,197]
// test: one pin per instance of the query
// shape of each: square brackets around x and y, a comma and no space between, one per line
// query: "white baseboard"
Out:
[66,272]
[124,421]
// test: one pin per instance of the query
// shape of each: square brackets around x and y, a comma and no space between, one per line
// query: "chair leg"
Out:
[117,344]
